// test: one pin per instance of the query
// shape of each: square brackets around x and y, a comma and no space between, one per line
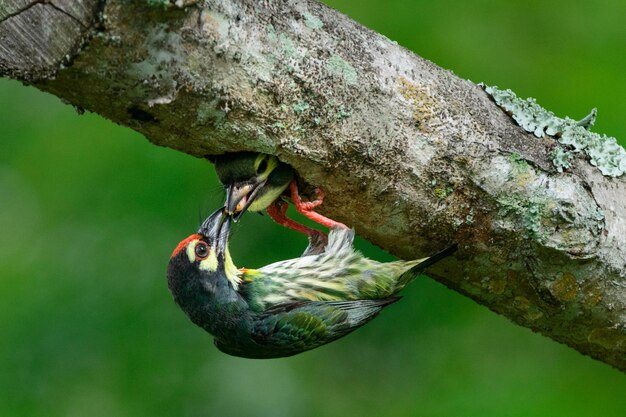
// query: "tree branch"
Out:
[409,154]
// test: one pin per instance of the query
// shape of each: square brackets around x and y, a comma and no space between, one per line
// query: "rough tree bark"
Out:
[409,154]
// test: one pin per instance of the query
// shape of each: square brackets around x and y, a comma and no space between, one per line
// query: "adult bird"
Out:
[256,181]
[287,307]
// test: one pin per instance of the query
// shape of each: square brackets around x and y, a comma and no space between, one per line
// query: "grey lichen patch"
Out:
[270,32]
[603,151]
[210,113]
[338,67]
[342,112]
[519,162]
[515,202]
[282,64]
[300,107]
[215,27]
[277,126]
[562,214]
[311,21]
[278,58]
[288,46]
[156,73]
[530,212]
[530,115]
[561,159]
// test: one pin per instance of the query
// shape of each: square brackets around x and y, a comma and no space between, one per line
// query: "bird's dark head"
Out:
[201,266]
[252,180]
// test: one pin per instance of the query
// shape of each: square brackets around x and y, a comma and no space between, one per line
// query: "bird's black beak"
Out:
[216,228]
[240,195]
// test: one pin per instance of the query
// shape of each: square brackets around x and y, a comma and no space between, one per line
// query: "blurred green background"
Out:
[90,212]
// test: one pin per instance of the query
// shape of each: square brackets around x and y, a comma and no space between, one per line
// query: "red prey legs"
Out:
[306,208]
[278,208]
[277,211]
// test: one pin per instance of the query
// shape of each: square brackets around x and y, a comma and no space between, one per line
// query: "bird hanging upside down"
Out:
[287,307]
[256,181]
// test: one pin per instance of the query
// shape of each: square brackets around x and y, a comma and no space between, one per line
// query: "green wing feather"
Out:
[288,329]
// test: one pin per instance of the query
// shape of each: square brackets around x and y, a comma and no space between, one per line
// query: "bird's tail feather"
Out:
[339,239]
[416,270]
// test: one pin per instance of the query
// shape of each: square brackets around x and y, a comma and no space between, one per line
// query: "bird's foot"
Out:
[306,208]
[277,211]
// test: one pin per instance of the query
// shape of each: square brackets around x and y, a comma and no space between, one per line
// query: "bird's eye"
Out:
[202,250]
[262,166]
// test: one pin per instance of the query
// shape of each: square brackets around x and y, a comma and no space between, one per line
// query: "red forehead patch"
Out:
[183,244]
